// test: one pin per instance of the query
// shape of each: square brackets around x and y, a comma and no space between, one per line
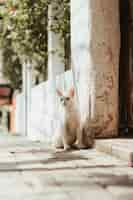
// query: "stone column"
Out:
[29,102]
[24,98]
[95,40]
[26,95]
[55,65]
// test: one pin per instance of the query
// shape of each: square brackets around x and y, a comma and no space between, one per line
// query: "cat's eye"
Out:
[68,98]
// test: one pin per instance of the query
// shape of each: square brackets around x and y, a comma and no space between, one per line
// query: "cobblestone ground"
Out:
[34,171]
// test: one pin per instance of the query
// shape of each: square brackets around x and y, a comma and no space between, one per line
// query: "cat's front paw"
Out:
[66,147]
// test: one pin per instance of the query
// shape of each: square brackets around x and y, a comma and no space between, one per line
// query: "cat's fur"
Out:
[69,131]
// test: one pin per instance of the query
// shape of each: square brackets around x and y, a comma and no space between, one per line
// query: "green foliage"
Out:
[25,28]
[25,24]
[61,23]
[12,67]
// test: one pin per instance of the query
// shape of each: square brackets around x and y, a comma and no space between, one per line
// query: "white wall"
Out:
[41,123]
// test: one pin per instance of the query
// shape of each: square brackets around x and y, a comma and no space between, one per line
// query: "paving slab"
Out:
[94,192]
[121,148]
[121,192]
[33,170]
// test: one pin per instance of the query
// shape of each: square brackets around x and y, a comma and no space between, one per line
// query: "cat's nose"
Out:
[64,103]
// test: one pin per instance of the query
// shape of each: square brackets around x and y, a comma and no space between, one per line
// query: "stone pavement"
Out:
[33,171]
[119,147]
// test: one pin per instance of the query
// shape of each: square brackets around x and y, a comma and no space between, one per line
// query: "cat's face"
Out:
[66,100]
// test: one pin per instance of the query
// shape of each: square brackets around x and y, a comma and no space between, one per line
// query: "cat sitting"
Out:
[69,132]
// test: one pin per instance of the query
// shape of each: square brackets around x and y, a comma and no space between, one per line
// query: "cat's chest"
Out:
[72,121]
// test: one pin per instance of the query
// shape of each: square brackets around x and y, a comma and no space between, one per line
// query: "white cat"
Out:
[69,131]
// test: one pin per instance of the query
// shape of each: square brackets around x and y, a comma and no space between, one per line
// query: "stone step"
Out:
[121,148]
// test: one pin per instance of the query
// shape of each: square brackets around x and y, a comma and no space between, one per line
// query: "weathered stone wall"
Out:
[95,56]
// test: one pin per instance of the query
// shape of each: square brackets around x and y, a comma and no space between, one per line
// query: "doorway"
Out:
[126,67]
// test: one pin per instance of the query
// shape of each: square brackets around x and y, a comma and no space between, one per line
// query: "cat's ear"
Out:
[59,92]
[72,92]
